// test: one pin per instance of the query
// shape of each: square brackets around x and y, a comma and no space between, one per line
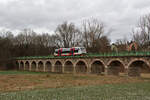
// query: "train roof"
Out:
[69,48]
[78,47]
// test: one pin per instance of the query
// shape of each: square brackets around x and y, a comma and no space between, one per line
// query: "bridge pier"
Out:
[37,69]
[44,65]
[126,71]
[106,71]
[63,68]
[24,66]
[53,68]
[19,65]
[74,69]
[30,66]
[88,69]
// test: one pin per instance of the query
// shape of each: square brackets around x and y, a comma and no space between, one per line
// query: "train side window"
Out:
[59,52]
[72,51]
[76,51]
[65,51]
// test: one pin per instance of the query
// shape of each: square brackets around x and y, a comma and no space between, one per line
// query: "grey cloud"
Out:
[121,15]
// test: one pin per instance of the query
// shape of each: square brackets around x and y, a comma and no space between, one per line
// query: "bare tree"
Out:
[25,37]
[141,34]
[67,35]
[92,30]
[93,34]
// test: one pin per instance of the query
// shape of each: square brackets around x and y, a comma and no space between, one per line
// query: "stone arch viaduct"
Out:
[130,65]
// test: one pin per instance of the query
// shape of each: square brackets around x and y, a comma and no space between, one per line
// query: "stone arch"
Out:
[116,60]
[82,61]
[69,60]
[27,65]
[33,66]
[21,65]
[138,66]
[145,61]
[58,67]
[68,67]
[48,66]
[40,66]
[97,66]
[115,67]
[81,66]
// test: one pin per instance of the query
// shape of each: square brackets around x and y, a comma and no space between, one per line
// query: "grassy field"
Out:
[16,85]
[131,91]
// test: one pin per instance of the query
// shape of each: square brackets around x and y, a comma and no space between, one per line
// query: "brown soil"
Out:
[28,82]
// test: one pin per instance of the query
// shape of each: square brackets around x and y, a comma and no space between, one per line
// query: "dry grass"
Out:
[40,81]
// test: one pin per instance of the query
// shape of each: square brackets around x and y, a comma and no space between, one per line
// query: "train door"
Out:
[72,51]
[59,52]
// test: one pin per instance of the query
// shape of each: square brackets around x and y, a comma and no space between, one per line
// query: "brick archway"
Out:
[48,66]
[115,67]
[82,61]
[81,66]
[145,61]
[27,65]
[33,66]
[68,67]
[40,66]
[99,61]
[116,60]
[138,66]
[97,66]
[58,66]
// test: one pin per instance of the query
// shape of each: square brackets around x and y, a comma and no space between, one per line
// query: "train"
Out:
[70,51]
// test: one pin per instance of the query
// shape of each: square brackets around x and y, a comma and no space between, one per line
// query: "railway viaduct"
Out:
[132,65]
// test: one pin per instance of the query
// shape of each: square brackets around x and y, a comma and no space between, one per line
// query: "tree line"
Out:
[92,34]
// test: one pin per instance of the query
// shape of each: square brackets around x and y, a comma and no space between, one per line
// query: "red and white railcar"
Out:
[70,51]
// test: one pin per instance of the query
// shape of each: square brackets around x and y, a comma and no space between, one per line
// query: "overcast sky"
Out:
[45,15]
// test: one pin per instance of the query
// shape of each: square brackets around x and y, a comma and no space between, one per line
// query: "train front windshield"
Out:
[83,50]
[56,51]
